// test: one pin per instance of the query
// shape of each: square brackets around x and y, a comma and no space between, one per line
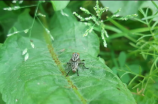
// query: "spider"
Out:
[74,62]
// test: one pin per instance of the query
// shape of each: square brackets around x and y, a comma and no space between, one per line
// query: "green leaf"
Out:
[127,7]
[59,5]
[42,78]
[135,68]
[130,7]
[122,59]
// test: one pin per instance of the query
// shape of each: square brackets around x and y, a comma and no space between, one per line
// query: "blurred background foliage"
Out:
[135,64]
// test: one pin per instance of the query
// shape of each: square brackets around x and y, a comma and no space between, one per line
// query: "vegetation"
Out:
[118,41]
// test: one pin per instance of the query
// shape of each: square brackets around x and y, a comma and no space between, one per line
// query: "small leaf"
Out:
[136,68]
[122,59]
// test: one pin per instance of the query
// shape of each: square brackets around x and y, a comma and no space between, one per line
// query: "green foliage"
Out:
[98,23]
[96,19]
[41,78]
[41,37]
[145,45]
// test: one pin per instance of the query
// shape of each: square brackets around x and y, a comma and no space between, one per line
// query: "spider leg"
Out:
[69,64]
[83,65]
[77,73]
[68,72]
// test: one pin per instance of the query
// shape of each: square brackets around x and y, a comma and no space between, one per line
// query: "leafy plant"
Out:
[146,46]
[119,48]
[38,76]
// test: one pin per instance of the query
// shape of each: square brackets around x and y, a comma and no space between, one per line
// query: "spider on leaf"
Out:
[74,63]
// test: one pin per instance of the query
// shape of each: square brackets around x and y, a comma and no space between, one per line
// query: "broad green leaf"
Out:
[130,7]
[72,38]
[59,5]
[42,78]
[127,7]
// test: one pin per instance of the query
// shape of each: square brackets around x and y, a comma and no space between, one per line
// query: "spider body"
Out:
[74,62]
